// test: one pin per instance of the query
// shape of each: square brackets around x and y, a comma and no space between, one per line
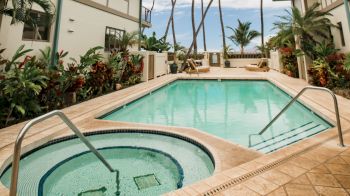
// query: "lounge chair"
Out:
[193,67]
[260,67]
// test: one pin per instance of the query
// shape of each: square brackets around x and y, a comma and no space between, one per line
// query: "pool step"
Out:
[286,138]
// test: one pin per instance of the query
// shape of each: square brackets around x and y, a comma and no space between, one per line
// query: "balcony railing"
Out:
[146,15]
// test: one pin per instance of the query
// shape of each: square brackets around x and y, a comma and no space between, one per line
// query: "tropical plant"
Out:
[322,72]
[125,40]
[311,26]
[15,61]
[154,44]
[21,9]
[243,35]
[21,86]
[347,62]
[226,52]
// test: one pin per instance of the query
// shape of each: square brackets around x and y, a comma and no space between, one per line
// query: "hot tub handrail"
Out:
[24,130]
[336,109]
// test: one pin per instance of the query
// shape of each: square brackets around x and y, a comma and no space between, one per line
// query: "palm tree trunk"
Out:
[194,30]
[222,27]
[299,59]
[262,27]
[198,29]
[174,36]
[204,39]
[173,2]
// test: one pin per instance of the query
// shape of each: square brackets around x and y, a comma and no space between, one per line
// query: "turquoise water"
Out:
[67,168]
[229,109]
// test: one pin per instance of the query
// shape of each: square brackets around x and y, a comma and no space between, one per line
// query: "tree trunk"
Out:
[174,35]
[204,39]
[299,59]
[194,30]
[222,28]
[173,2]
[262,27]
[199,27]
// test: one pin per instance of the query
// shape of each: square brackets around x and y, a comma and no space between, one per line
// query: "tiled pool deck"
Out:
[314,166]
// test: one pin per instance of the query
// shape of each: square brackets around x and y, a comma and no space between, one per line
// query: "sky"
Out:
[245,10]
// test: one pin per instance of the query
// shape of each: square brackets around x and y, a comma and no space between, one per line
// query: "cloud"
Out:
[165,5]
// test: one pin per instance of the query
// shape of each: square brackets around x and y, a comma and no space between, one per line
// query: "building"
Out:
[79,25]
[340,32]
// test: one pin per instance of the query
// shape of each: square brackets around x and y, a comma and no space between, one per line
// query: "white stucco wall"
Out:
[88,27]
[339,15]
[87,23]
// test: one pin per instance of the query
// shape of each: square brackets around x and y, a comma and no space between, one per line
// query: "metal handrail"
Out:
[340,134]
[24,130]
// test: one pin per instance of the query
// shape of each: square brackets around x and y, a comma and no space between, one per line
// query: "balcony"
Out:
[146,15]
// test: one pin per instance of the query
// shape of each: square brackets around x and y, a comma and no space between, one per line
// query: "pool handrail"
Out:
[336,109]
[24,130]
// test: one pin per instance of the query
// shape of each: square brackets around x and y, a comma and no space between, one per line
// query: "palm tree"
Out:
[242,35]
[222,28]
[262,26]
[204,39]
[199,28]
[194,29]
[173,2]
[21,9]
[310,27]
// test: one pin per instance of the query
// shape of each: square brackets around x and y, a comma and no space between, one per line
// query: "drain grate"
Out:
[146,181]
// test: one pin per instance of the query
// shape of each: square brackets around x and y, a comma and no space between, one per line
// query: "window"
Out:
[340,27]
[40,31]
[112,34]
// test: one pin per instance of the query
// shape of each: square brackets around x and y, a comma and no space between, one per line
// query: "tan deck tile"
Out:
[304,162]
[346,158]
[252,165]
[181,192]
[291,170]
[235,172]
[190,190]
[330,191]
[323,179]
[278,192]
[338,168]
[260,185]
[343,180]
[320,169]
[346,152]
[276,177]
[239,190]
[299,190]
[315,156]
[200,187]
[216,180]
[301,180]
[337,160]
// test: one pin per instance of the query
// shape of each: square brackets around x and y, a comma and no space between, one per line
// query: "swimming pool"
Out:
[230,109]
[149,163]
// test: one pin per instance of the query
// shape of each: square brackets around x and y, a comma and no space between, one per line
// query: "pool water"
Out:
[148,164]
[230,109]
